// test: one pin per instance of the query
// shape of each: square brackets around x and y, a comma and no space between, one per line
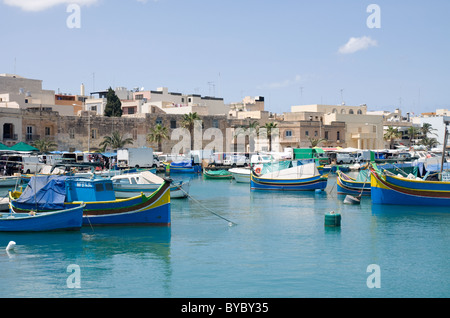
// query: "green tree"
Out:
[316,141]
[392,134]
[428,142]
[113,106]
[412,132]
[269,127]
[115,141]
[158,134]
[426,130]
[44,145]
[188,122]
[250,131]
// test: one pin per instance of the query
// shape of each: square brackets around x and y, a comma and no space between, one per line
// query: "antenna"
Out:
[342,97]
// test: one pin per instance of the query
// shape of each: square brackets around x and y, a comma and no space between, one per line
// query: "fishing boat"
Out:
[303,177]
[355,186]
[217,174]
[50,193]
[9,181]
[388,188]
[184,166]
[131,184]
[66,219]
[241,175]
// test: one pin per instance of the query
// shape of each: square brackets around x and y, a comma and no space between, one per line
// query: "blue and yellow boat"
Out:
[387,188]
[184,166]
[297,178]
[50,193]
[61,220]
[355,186]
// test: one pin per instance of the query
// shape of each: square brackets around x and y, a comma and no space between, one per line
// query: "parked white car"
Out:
[344,158]
[236,160]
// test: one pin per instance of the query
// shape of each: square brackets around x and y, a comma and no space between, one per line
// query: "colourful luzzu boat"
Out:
[298,178]
[47,194]
[387,188]
[356,186]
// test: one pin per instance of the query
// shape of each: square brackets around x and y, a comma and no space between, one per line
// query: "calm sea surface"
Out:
[279,248]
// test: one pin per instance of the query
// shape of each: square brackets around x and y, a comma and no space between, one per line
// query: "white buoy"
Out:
[11,245]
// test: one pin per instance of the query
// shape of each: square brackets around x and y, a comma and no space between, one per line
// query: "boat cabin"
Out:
[89,190]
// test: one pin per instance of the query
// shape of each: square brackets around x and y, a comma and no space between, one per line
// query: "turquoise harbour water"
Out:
[279,248]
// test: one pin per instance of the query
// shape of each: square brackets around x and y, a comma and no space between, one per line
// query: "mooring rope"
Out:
[230,223]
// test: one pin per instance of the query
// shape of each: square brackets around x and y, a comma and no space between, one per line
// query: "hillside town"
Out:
[79,122]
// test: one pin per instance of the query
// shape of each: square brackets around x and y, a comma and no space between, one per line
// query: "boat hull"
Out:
[241,175]
[391,190]
[9,181]
[306,184]
[180,190]
[70,219]
[346,185]
[208,175]
[141,209]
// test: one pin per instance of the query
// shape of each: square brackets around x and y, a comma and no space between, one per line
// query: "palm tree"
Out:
[427,130]
[115,141]
[412,132]
[315,141]
[44,145]
[158,134]
[188,122]
[269,127]
[391,134]
[428,142]
[250,131]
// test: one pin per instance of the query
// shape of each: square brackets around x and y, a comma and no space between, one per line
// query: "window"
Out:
[338,136]
[109,186]
[315,133]
[189,100]
[72,133]
[306,133]
[215,123]
[288,133]
[98,187]
[173,124]
[159,120]
[134,133]
[47,131]
[94,133]
[359,112]
[139,97]
[326,135]
[29,135]
[350,111]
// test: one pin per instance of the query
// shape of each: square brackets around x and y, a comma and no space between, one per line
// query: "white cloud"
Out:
[40,5]
[356,44]
[281,84]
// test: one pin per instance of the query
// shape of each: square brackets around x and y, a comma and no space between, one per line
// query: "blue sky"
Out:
[287,51]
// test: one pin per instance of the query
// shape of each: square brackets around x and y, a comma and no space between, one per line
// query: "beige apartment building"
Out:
[362,130]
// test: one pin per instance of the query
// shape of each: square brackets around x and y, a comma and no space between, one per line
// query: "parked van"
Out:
[344,158]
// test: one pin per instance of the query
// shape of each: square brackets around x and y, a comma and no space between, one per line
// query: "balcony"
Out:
[10,137]
[29,137]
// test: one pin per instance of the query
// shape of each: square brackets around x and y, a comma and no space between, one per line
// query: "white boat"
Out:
[9,181]
[132,184]
[241,174]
